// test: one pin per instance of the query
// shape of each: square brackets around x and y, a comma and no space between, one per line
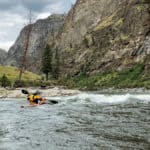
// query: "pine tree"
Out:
[46,61]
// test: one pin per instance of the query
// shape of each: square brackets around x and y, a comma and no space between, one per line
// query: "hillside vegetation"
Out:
[130,78]
[12,74]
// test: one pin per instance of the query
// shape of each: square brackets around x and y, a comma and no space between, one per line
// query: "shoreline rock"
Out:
[51,92]
[58,91]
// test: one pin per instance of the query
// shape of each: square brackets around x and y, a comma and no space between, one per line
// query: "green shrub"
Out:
[5,81]
[131,78]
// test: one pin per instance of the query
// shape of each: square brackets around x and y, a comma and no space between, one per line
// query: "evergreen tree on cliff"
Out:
[46,61]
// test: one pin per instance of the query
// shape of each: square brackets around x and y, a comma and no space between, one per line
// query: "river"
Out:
[87,121]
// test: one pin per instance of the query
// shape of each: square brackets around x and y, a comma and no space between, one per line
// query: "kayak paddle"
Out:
[24,91]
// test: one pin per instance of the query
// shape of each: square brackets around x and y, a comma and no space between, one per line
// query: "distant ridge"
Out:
[3,55]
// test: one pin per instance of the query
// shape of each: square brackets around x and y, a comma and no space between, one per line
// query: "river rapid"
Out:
[87,121]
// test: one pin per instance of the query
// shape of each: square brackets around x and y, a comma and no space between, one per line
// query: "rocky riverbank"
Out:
[56,91]
[59,91]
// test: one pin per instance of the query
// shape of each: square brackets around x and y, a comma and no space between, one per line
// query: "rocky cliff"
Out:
[41,31]
[96,36]
[101,36]
[3,55]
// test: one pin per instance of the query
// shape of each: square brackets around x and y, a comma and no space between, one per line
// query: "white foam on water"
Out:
[144,97]
[103,98]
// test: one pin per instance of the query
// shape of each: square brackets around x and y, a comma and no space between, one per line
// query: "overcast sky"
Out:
[14,15]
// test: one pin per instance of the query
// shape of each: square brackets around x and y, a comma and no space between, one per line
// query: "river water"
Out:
[87,121]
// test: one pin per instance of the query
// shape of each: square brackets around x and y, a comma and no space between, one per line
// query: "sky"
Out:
[14,16]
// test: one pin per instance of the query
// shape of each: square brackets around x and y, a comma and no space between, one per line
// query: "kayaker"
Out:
[36,99]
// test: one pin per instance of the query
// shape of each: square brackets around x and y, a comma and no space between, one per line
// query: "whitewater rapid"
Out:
[86,121]
[103,98]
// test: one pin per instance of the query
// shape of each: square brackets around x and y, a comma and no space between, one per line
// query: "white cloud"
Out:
[14,15]
[10,26]
[6,45]
[43,15]
[60,6]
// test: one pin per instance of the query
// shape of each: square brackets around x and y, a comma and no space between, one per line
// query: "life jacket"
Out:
[34,98]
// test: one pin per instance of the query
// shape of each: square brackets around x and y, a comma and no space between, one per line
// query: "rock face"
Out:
[41,31]
[97,36]
[3,55]
[100,36]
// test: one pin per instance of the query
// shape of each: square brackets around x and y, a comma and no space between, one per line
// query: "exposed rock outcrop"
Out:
[97,36]
[102,35]
[41,31]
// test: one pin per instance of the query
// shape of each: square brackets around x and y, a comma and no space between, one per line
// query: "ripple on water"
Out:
[84,122]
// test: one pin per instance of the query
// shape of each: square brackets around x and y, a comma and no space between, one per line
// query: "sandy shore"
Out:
[16,93]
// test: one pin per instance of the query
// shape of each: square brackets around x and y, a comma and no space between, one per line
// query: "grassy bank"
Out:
[12,74]
[132,78]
